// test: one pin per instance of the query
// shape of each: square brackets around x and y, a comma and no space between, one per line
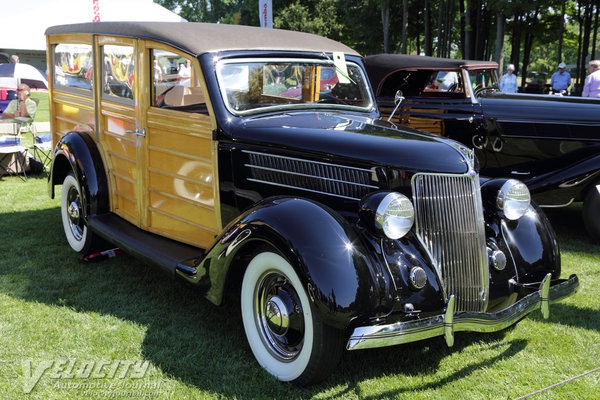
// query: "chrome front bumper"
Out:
[411,331]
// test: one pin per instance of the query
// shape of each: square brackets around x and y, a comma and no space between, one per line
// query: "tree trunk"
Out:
[595,30]
[499,53]
[478,53]
[440,28]
[404,25]
[578,71]
[484,33]
[516,41]
[531,22]
[449,26]
[465,21]
[585,47]
[561,31]
[427,29]
[385,21]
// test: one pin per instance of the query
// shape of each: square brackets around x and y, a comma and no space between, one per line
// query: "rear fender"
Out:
[77,152]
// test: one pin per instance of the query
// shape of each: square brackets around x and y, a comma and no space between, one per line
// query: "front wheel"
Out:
[287,339]
[591,212]
[73,216]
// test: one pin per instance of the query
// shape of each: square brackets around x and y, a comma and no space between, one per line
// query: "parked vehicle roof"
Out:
[199,38]
[381,65]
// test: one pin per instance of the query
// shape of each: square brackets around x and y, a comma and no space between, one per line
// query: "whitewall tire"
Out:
[286,338]
[73,218]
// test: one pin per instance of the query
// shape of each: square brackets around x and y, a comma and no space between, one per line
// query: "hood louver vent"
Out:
[316,177]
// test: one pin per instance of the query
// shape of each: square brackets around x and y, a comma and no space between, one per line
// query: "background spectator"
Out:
[508,83]
[23,106]
[561,79]
[592,82]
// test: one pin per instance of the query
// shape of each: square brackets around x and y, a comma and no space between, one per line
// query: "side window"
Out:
[444,81]
[73,66]
[118,72]
[175,83]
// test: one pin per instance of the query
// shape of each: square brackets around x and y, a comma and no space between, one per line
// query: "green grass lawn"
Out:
[54,309]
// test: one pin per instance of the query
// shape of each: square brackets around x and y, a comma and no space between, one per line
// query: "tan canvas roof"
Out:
[198,38]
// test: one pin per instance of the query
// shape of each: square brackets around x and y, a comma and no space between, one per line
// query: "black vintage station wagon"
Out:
[237,157]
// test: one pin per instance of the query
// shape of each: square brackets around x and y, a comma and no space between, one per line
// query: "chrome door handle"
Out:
[138,132]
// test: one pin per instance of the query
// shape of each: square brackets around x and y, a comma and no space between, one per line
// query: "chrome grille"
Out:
[449,221]
[317,177]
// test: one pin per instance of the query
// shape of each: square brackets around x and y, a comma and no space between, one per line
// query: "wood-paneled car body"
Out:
[551,143]
[247,173]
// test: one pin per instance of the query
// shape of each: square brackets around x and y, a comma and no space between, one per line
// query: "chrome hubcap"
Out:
[74,212]
[279,316]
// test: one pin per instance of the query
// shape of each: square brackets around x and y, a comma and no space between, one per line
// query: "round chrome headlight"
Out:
[513,199]
[395,215]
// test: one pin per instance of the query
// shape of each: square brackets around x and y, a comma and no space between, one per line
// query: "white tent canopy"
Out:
[25,21]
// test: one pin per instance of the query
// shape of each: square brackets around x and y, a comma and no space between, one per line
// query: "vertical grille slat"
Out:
[449,221]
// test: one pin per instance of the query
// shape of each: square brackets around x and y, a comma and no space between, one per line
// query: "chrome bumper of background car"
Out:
[411,331]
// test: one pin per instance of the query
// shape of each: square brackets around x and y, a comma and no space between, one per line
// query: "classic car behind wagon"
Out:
[551,143]
[268,171]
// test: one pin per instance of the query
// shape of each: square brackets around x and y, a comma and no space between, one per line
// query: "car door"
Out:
[119,128]
[181,197]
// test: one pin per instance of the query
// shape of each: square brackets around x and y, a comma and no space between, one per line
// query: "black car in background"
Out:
[552,143]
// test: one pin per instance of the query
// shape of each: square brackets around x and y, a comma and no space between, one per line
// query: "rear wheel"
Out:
[286,337]
[591,212]
[73,216]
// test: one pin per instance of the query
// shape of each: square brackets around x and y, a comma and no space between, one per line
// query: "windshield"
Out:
[253,86]
[483,79]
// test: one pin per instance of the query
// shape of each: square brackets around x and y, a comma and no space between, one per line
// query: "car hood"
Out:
[361,140]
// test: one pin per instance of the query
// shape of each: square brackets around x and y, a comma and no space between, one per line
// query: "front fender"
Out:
[529,244]
[533,246]
[563,185]
[341,277]
[77,152]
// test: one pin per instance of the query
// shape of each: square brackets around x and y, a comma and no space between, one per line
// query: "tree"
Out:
[385,21]
[561,30]
[404,25]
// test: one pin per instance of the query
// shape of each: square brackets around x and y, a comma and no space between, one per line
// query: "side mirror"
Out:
[397,101]
[399,97]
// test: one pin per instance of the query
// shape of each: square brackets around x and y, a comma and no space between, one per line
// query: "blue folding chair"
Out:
[13,156]
[42,143]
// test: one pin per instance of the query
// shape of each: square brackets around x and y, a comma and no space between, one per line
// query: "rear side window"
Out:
[73,66]
[118,72]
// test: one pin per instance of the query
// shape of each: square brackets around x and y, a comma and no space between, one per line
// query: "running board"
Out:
[164,253]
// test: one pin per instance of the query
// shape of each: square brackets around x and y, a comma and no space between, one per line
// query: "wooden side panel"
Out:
[72,112]
[181,177]
[119,142]
[427,124]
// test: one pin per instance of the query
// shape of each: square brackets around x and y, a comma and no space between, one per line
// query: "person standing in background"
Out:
[561,79]
[14,59]
[508,83]
[591,88]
